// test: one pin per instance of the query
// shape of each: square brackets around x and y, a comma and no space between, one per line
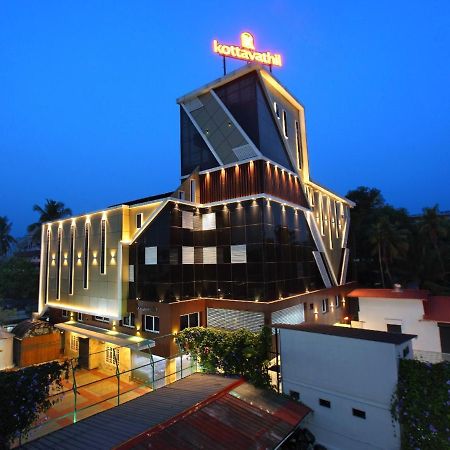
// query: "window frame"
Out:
[325,403]
[324,306]
[359,413]
[188,315]
[102,319]
[285,127]
[153,329]
[131,319]
[80,317]
[64,313]
[141,216]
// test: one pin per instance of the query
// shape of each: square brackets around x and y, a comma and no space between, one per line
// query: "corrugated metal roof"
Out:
[108,429]
[242,417]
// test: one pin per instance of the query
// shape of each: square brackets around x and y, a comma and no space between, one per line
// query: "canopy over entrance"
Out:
[110,336]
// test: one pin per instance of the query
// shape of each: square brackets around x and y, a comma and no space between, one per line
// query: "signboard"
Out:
[246,51]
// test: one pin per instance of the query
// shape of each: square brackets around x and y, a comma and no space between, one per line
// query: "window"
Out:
[128,321]
[209,255]
[181,195]
[192,186]
[131,273]
[189,320]
[47,263]
[324,403]
[238,254]
[151,323]
[187,220]
[405,352]
[58,265]
[359,413]
[72,258]
[86,256]
[151,256]
[285,128]
[64,313]
[324,305]
[80,317]
[209,221]
[187,254]
[336,301]
[294,395]
[311,306]
[298,144]
[110,353]
[139,220]
[276,109]
[393,328]
[101,319]
[74,342]
[322,228]
[103,247]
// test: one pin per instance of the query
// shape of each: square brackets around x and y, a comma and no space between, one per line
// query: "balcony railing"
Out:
[431,357]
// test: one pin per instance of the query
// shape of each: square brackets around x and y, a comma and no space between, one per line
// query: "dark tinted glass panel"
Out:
[393,328]
[193,320]
[184,322]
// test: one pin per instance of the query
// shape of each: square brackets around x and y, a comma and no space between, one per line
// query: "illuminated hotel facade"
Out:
[247,238]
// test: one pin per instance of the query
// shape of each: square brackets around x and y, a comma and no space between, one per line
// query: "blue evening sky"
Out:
[87,94]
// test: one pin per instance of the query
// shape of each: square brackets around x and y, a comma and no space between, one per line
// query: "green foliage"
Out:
[24,396]
[6,240]
[421,403]
[19,279]
[238,352]
[388,246]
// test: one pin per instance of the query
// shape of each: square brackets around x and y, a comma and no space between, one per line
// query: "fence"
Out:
[431,357]
[124,374]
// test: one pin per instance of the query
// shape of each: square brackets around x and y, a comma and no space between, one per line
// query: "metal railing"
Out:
[89,391]
[431,357]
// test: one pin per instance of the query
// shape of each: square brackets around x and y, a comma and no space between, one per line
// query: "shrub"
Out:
[24,396]
[240,352]
[421,404]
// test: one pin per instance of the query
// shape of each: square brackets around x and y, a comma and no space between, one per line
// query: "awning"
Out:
[110,336]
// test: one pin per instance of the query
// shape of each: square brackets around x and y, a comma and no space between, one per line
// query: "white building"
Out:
[347,377]
[405,311]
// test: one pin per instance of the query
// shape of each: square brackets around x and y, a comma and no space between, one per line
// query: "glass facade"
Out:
[246,101]
[278,245]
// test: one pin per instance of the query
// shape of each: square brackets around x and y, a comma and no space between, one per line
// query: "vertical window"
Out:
[151,323]
[58,265]
[285,127]
[336,218]
[131,273]
[209,221]
[128,320]
[71,258]
[238,254]
[80,317]
[74,342]
[322,229]
[187,220]
[181,195]
[103,247]
[111,355]
[139,220]
[189,320]
[151,256]
[187,255]
[276,109]
[298,142]
[324,305]
[336,301]
[192,185]
[86,257]
[64,313]
[47,263]
[330,230]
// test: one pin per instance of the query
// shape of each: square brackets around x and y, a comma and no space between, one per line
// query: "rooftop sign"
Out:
[246,51]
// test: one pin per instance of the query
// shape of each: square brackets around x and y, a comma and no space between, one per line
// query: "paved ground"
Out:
[97,392]
[111,428]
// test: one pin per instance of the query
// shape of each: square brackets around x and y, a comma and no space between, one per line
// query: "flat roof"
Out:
[351,333]
[415,294]
[110,336]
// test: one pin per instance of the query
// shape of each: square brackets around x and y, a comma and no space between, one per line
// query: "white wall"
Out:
[376,313]
[350,373]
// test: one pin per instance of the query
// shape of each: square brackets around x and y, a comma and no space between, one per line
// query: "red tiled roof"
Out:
[437,308]
[239,417]
[390,293]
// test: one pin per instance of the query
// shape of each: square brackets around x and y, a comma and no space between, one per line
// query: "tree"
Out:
[19,279]
[6,240]
[51,211]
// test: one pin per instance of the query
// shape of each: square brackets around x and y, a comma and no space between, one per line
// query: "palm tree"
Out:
[433,228]
[51,211]
[6,240]
[390,243]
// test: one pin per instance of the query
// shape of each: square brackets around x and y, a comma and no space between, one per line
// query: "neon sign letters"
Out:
[246,51]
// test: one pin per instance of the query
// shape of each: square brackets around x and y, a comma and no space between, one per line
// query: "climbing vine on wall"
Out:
[24,396]
[421,404]
[239,352]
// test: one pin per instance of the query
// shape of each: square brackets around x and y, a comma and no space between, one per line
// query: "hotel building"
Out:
[246,239]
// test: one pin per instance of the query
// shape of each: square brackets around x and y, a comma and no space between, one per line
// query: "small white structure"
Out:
[404,311]
[6,349]
[347,377]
